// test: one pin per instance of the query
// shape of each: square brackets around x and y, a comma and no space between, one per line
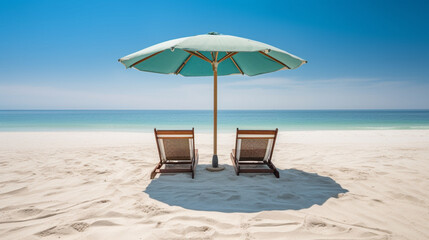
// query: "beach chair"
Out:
[177,152]
[253,148]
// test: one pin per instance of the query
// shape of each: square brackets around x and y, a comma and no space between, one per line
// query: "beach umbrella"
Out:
[212,54]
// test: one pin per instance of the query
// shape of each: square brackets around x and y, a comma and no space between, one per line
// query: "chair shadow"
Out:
[226,192]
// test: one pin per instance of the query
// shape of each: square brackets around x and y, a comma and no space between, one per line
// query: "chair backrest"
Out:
[175,144]
[255,145]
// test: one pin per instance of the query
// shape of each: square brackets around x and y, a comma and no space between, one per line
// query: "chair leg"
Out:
[153,173]
[194,163]
[192,168]
[275,172]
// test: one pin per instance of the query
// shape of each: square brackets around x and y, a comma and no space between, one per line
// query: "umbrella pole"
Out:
[215,159]
[215,167]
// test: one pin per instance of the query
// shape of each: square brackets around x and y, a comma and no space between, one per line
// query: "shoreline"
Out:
[209,132]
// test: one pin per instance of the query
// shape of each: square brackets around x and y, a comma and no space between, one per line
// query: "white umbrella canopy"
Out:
[212,54]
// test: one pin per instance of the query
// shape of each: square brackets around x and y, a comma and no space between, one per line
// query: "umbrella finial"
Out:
[213,33]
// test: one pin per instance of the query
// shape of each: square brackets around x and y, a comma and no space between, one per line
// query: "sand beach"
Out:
[333,185]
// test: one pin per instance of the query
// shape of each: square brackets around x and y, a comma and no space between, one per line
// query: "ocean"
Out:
[202,120]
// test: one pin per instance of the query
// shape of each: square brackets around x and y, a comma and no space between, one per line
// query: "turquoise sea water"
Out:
[202,120]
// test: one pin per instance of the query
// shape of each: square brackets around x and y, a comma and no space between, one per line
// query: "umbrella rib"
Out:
[198,54]
[236,65]
[228,55]
[205,58]
[183,65]
[146,58]
[274,59]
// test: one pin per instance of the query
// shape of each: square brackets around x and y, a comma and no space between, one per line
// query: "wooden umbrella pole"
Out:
[215,167]
[215,108]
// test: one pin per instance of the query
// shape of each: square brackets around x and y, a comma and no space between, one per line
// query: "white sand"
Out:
[333,185]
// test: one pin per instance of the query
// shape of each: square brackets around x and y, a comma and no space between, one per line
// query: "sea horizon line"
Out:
[324,109]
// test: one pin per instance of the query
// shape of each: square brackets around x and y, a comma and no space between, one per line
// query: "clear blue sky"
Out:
[361,54]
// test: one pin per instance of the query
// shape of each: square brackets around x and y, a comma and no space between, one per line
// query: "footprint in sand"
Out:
[27,212]
[80,226]
[201,232]
[320,226]
[46,232]
[63,229]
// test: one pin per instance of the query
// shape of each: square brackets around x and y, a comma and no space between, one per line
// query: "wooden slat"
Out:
[146,58]
[183,64]
[174,131]
[274,59]
[249,163]
[256,132]
[246,170]
[228,55]
[251,160]
[161,137]
[255,137]
[177,162]
[176,170]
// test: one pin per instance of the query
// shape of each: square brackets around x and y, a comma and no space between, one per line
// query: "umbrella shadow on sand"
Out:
[226,192]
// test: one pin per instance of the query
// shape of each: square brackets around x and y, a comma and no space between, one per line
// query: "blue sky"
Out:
[361,54]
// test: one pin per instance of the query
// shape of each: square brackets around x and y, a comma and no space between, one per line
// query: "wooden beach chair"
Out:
[253,148]
[175,148]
